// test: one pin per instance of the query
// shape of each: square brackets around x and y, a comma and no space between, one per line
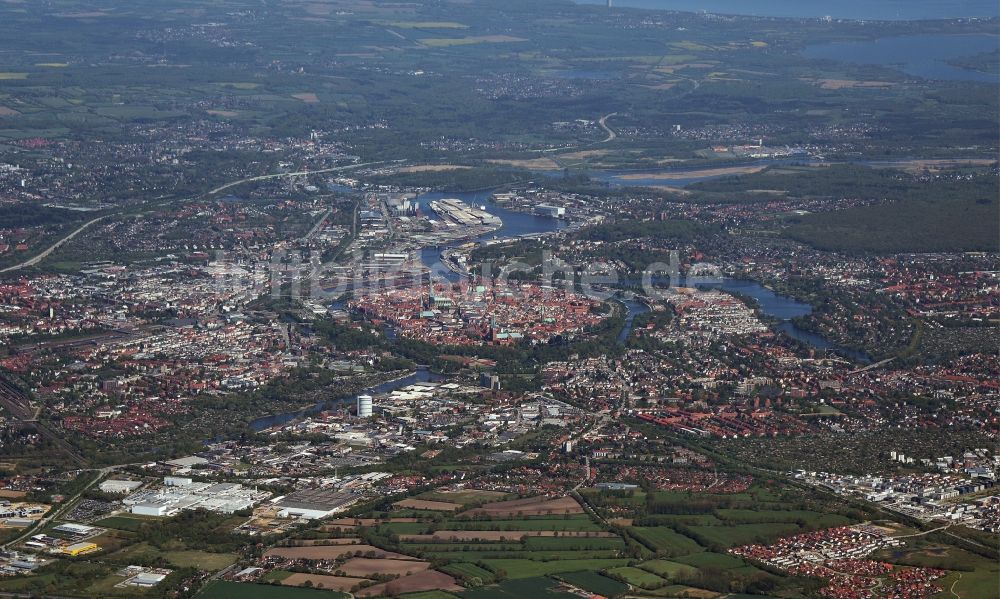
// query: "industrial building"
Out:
[19,522]
[185,464]
[80,549]
[550,211]
[120,487]
[183,494]
[76,531]
[312,504]
[147,579]
[150,508]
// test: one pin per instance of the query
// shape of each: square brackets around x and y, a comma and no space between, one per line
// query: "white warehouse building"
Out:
[119,486]
[312,504]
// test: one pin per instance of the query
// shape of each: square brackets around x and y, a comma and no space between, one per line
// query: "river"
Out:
[634,309]
[772,304]
[783,309]
[779,307]
[515,224]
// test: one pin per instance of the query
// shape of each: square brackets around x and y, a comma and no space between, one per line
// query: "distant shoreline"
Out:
[856,10]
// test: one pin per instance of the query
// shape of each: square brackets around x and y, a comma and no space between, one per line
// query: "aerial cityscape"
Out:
[500,299]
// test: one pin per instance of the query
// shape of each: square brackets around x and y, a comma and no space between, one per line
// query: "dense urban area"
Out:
[496,299]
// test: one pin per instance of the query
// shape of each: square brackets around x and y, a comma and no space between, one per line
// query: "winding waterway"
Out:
[634,309]
[515,224]
[783,309]
[774,305]
[780,307]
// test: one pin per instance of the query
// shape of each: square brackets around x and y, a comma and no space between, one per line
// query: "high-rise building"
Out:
[364,406]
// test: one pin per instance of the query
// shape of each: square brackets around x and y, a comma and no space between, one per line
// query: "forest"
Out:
[916,225]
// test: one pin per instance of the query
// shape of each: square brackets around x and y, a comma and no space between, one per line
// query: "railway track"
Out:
[16,402]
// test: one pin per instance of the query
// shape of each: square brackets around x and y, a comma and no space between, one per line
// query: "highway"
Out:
[65,506]
[604,125]
[45,254]
[52,248]
[295,174]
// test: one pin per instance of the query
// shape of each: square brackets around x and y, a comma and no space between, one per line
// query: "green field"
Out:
[525,568]
[810,518]
[465,497]
[428,25]
[102,586]
[667,540]
[638,577]
[480,546]
[579,523]
[447,42]
[429,595]
[742,534]
[979,583]
[467,571]
[572,543]
[407,513]
[121,523]
[710,558]
[221,589]
[240,85]
[105,587]
[594,582]
[669,569]
[203,560]
[276,575]
[669,519]
[523,554]
[535,588]
[404,528]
